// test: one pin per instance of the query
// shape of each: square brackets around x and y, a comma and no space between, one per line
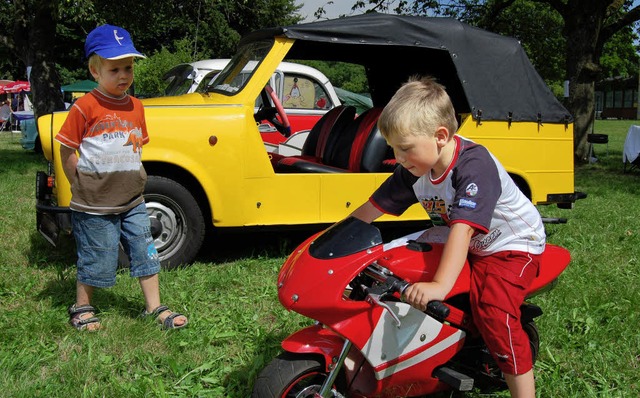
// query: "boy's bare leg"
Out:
[83,294]
[521,386]
[151,290]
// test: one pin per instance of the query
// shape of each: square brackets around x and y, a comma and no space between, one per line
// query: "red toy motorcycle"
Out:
[366,341]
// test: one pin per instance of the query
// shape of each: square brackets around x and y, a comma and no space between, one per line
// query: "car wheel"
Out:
[37,148]
[177,224]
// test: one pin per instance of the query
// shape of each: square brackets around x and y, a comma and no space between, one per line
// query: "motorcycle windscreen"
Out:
[346,237]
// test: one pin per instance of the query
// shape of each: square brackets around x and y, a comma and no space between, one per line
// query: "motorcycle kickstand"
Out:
[327,386]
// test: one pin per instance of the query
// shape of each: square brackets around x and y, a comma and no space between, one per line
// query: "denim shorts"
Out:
[98,239]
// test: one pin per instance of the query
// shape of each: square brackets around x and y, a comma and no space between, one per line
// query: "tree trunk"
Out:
[583,23]
[45,82]
[581,105]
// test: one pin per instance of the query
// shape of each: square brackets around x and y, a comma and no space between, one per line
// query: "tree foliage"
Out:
[49,35]
[350,77]
[149,72]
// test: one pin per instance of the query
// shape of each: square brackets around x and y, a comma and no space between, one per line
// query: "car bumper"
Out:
[565,200]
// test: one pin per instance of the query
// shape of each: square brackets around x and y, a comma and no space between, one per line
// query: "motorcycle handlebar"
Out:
[436,308]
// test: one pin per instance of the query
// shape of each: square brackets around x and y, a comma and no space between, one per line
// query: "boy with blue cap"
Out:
[107,128]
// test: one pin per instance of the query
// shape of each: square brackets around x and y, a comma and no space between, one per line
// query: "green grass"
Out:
[590,342]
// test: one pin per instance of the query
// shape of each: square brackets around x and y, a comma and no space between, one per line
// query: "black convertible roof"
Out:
[486,74]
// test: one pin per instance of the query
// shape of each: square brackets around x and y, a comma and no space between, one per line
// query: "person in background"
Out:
[5,114]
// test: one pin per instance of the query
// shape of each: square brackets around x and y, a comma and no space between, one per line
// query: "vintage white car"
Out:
[305,93]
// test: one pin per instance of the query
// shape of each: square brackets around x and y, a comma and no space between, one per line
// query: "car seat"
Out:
[322,136]
[321,141]
[357,147]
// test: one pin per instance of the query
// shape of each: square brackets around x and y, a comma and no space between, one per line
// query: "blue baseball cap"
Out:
[110,42]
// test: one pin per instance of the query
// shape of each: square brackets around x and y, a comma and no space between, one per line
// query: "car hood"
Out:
[185,99]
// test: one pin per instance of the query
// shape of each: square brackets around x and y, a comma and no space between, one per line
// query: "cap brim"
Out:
[125,56]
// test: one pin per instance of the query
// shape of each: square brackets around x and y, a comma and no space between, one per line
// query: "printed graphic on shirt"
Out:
[135,139]
[471,190]
[466,203]
[111,145]
[436,209]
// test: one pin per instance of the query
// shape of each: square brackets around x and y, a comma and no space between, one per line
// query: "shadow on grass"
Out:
[611,164]
[61,292]
[239,382]
[44,255]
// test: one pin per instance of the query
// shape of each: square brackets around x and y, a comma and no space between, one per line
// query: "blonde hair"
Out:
[95,61]
[419,107]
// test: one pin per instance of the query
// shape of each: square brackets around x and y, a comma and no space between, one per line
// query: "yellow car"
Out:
[208,166]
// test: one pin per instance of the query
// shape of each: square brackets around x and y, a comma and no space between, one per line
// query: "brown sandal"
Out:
[76,319]
[169,321]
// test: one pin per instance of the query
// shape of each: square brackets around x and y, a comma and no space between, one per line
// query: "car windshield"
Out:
[207,82]
[236,74]
[179,79]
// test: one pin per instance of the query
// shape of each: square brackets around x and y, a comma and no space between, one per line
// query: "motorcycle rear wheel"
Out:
[531,329]
[291,376]
[494,380]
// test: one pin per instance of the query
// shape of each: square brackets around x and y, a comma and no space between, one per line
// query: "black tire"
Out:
[290,375]
[177,223]
[495,380]
[37,148]
[531,329]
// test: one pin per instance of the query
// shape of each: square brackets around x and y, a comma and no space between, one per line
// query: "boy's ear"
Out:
[442,135]
[93,72]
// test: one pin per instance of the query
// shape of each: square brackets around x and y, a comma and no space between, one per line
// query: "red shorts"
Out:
[498,289]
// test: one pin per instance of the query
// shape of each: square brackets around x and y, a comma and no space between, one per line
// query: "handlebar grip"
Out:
[397,285]
[438,309]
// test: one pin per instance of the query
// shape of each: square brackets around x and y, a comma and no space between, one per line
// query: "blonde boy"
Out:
[461,185]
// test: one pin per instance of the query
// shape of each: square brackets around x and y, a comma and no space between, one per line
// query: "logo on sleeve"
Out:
[472,189]
[469,204]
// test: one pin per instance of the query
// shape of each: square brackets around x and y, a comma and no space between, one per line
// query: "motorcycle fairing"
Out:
[414,266]
[553,262]
[315,339]
[299,290]
[392,349]
[363,377]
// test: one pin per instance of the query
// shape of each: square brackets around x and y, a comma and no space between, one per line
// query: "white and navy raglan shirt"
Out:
[475,190]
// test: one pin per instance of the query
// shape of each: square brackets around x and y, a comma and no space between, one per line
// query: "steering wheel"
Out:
[269,113]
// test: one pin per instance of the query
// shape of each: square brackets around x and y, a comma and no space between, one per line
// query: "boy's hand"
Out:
[451,263]
[419,294]
[69,159]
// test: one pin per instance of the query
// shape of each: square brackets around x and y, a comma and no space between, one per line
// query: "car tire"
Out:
[177,224]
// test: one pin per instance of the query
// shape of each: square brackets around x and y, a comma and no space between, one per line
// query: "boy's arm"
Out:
[69,160]
[367,212]
[453,258]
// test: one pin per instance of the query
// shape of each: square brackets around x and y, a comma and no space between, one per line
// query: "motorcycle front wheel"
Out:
[292,376]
